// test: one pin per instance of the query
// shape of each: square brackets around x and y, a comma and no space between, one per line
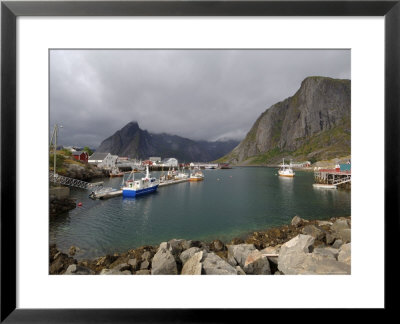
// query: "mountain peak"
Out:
[132,124]
[312,124]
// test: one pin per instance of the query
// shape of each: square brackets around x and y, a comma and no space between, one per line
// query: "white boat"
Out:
[196,175]
[286,170]
[143,186]
[181,175]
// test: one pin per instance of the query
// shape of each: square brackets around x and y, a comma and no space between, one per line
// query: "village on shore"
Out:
[302,247]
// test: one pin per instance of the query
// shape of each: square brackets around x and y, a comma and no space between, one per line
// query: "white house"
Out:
[155,159]
[169,162]
[103,160]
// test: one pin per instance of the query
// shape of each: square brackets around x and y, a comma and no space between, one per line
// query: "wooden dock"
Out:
[331,178]
[117,193]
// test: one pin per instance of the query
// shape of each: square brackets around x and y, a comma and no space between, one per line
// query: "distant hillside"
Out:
[133,142]
[314,124]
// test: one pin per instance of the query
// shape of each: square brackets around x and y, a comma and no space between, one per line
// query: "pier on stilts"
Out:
[332,179]
[118,192]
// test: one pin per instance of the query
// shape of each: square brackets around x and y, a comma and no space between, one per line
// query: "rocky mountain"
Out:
[133,142]
[313,124]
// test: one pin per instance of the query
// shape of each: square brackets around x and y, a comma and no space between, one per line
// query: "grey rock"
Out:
[272,250]
[134,264]
[193,266]
[256,263]
[300,243]
[146,256]
[122,267]
[164,263]
[295,258]
[237,254]
[74,269]
[340,224]
[314,231]
[345,253]
[217,246]
[293,253]
[345,235]
[337,244]
[214,265]
[187,254]
[144,265]
[176,246]
[143,272]
[163,245]
[240,271]
[327,252]
[329,238]
[297,221]
[324,223]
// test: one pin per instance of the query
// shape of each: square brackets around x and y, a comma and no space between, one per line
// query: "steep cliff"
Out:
[133,142]
[313,124]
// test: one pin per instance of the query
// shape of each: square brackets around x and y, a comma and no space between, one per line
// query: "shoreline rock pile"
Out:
[303,247]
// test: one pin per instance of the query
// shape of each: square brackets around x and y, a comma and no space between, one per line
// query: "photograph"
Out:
[199,161]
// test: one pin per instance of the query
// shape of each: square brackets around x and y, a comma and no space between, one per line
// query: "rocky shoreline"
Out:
[303,247]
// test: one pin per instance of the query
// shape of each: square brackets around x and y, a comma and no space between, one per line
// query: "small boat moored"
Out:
[286,170]
[115,172]
[143,186]
[197,175]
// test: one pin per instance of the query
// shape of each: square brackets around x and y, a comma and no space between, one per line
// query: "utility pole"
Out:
[54,137]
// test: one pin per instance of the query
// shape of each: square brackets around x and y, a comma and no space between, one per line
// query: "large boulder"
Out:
[345,235]
[187,254]
[214,265]
[293,253]
[295,257]
[177,246]
[257,263]
[237,254]
[300,243]
[337,244]
[342,230]
[315,231]
[345,253]
[340,224]
[164,263]
[327,252]
[74,269]
[317,264]
[193,266]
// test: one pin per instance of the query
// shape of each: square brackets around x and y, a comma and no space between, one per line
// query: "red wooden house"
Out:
[81,156]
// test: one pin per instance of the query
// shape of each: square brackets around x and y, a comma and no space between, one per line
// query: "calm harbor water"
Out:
[228,203]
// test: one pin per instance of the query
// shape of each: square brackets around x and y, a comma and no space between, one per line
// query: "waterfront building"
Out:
[169,162]
[103,160]
[80,156]
[155,159]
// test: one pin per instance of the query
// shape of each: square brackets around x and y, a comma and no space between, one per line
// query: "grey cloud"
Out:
[199,94]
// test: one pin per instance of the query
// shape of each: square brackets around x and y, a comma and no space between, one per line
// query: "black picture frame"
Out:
[10,10]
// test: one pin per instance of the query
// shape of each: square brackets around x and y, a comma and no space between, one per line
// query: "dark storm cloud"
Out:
[198,94]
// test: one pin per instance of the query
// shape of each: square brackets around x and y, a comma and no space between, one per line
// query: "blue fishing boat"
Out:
[143,186]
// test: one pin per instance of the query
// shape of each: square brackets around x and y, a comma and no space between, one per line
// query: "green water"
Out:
[228,203]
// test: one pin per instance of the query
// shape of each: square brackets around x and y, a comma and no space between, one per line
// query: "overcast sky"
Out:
[198,94]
